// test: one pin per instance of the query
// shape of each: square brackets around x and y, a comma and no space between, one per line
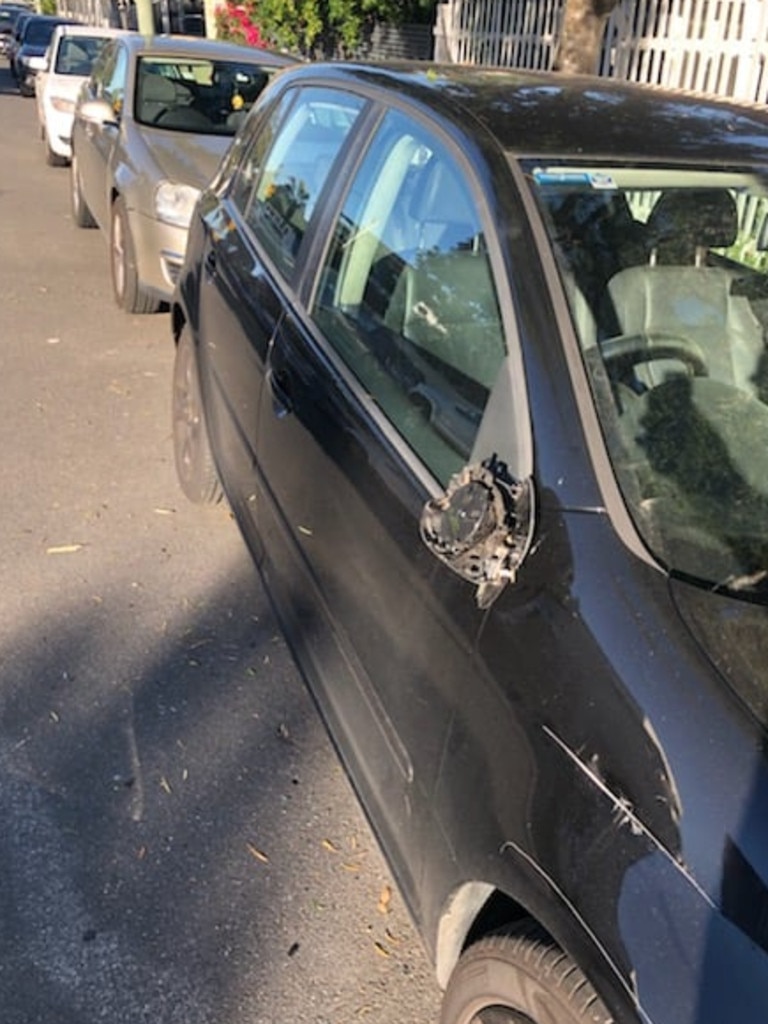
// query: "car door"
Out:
[288,157]
[95,142]
[378,388]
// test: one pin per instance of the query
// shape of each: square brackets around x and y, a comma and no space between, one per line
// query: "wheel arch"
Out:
[477,909]
[178,321]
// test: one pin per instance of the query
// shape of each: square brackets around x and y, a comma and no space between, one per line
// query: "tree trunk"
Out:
[581,36]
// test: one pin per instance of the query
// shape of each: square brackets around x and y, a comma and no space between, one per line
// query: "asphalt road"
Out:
[177,840]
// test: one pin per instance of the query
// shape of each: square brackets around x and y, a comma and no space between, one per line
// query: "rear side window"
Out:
[247,154]
[407,297]
[109,74]
[290,176]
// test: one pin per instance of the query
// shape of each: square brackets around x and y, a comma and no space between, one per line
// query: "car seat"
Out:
[680,293]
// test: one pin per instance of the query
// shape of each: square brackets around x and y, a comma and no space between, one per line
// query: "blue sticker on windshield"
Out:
[590,179]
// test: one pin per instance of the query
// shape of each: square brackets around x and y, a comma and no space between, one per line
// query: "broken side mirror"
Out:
[482,527]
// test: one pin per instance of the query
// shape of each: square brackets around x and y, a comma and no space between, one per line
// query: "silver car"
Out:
[150,127]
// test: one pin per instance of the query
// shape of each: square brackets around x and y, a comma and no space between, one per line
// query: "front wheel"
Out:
[130,294]
[520,977]
[191,449]
[52,158]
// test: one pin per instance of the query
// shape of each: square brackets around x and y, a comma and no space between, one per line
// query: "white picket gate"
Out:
[712,46]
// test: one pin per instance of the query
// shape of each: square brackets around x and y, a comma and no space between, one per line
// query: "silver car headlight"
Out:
[174,203]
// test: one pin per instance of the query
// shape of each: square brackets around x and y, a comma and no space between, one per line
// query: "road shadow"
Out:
[165,818]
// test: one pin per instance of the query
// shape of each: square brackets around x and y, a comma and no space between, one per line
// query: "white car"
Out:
[68,63]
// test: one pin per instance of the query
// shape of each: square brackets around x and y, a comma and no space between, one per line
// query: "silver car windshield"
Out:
[195,95]
[665,274]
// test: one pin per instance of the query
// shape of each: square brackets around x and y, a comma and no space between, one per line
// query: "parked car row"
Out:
[478,359]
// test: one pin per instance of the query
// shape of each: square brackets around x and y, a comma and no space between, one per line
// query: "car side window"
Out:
[250,158]
[406,295]
[102,69]
[292,173]
[112,84]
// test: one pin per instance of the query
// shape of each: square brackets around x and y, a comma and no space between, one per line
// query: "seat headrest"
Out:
[440,195]
[696,216]
[157,89]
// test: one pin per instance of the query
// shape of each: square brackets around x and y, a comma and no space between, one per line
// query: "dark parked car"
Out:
[29,53]
[479,360]
[20,20]
[9,13]
[150,127]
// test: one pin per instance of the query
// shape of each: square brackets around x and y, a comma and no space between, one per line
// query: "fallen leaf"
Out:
[381,950]
[258,854]
[385,899]
[54,717]
[331,847]
[306,531]
[63,549]
[349,866]
[165,511]
[165,785]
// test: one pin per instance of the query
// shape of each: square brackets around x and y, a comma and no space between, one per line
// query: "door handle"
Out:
[210,262]
[279,385]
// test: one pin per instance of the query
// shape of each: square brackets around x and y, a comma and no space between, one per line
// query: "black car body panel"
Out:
[588,746]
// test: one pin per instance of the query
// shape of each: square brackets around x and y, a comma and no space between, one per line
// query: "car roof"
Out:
[45,19]
[198,46]
[55,19]
[93,31]
[547,114]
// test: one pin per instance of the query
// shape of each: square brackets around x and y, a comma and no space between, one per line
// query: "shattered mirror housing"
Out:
[481,527]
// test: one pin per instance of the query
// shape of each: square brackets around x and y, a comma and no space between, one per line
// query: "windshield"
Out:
[39,33]
[665,273]
[76,54]
[201,96]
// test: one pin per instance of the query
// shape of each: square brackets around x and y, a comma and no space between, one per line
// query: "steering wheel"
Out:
[623,353]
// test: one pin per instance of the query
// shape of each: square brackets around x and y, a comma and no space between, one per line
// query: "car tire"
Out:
[195,467]
[81,215]
[52,158]
[520,977]
[127,288]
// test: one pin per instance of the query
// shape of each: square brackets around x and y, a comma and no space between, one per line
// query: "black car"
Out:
[9,13]
[28,55]
[479,359]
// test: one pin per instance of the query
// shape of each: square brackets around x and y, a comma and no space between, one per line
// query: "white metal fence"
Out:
[715,46]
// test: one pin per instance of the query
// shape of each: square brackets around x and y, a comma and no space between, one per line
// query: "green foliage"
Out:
[48,7]
[332,27]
